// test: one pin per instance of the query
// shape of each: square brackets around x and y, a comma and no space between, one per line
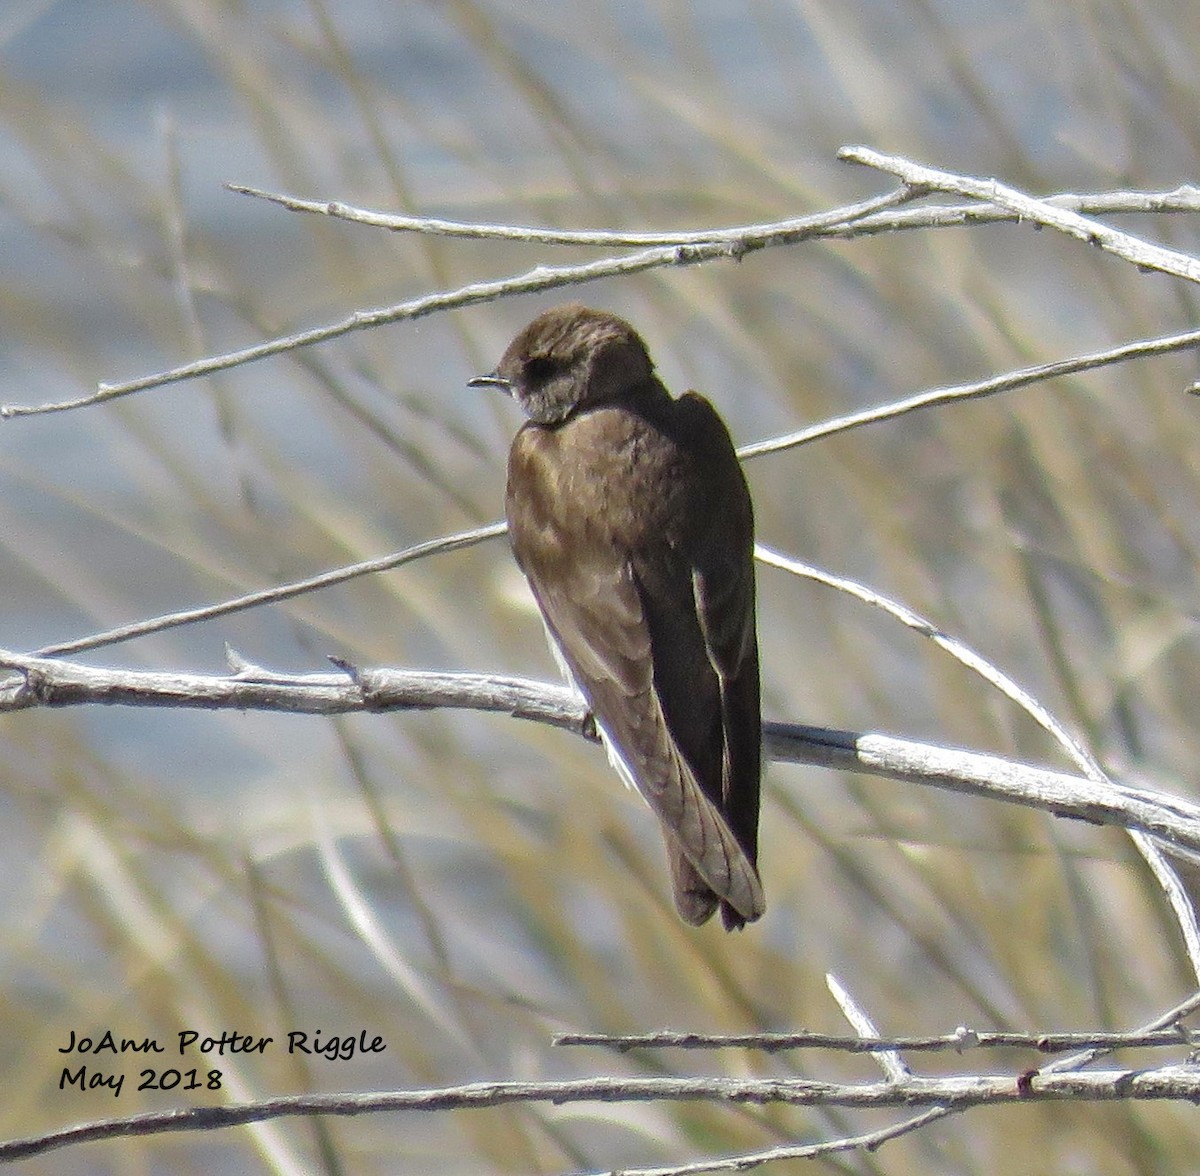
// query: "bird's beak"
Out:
[491,380]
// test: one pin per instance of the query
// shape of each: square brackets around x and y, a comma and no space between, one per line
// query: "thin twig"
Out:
[742,238]
[1102,788]
[960,1041]
[1142,349]
[207,612]
[533,281]
[1171,1019]
[952,645]
[868,1141]
[827,428]
[1185,198]
[1099,1044]
[1141,252]
[894,1067]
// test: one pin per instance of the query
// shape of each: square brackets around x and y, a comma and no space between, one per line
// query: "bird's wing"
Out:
[598,617]
[726,718]
[734,721]
[723,589]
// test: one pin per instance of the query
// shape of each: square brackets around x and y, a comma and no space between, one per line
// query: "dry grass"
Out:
[465,886]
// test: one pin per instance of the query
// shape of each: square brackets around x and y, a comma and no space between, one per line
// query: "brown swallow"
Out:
[630,516]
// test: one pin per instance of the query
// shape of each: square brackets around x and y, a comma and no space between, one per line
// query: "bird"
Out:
[630,517]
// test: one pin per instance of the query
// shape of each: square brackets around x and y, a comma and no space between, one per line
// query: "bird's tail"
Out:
[695,900]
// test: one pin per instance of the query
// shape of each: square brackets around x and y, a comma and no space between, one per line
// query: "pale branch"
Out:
[1185,199]
[1176,893]
[950,644]
[1101,788]
[1172,1082]
[655,250]
[742,239]
[1096,1045]
[52,682]
[961,1041]
[1165,817]
[936,397]
[280,592]
[1006,382]
[1171,1019]
[894,1067]
[538,279]
[836,223]
[1144,254]
[868,1141]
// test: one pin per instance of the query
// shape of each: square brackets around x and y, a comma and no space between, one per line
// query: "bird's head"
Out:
[569,358]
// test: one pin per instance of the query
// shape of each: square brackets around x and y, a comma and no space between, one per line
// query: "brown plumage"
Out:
[630,517]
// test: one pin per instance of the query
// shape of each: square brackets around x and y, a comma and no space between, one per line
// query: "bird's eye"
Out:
[539,368]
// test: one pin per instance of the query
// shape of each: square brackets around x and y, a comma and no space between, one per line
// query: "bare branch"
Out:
[894,1067]
[837,223]
[961,1038]
[1142,253]
[541,278]
[957,649]
[743,239]
[280,592]
[960,1041]
[1185,198]
[655,250]
[42,681]
[1172,1082]
[1143,349]
[53,682]
[869,1141]
[973,774]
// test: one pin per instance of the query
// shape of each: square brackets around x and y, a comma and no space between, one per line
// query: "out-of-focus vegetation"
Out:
[465,886]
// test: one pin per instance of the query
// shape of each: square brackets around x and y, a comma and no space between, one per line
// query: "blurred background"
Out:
[465,886]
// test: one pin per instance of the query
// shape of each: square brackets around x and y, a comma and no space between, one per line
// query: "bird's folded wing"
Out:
[603,635]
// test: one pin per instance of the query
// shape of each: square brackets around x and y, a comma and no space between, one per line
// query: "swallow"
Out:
[630,517]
